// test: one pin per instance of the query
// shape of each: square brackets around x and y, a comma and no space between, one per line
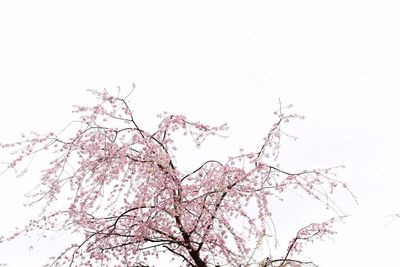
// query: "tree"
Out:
[131,201]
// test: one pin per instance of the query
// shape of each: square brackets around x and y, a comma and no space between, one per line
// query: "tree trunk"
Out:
[196,257]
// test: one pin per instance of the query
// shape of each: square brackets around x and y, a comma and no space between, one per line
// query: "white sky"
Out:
[223,61]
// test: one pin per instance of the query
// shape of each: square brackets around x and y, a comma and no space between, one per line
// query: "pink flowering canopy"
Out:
[129,199]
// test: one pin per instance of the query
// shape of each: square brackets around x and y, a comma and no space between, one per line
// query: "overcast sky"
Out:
[338,62]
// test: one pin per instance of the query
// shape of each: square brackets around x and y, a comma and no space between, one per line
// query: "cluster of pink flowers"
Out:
[131,201]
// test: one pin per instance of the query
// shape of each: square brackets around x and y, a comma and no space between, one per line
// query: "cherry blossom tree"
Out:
[131,201]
